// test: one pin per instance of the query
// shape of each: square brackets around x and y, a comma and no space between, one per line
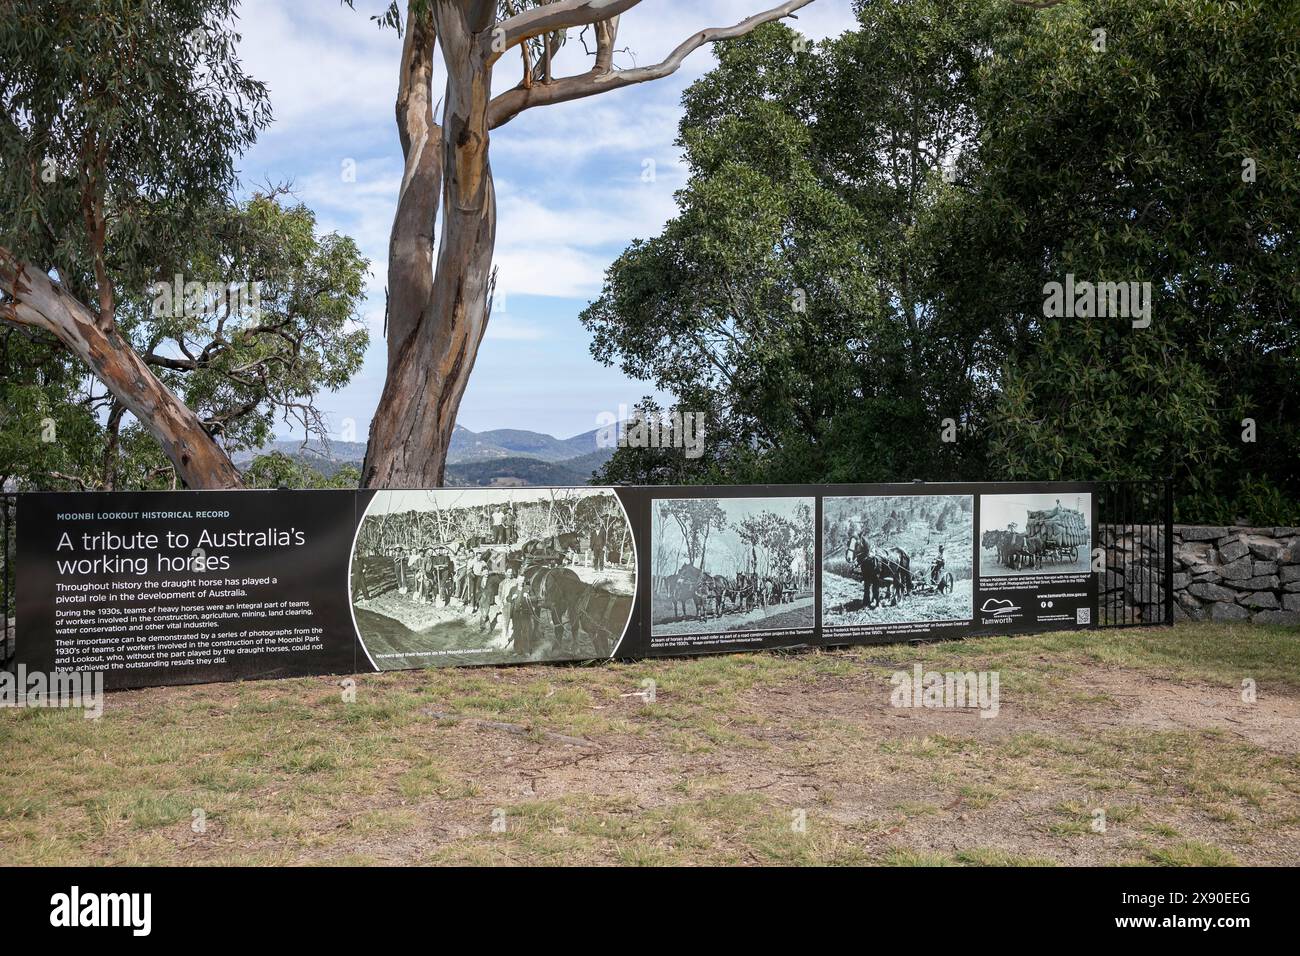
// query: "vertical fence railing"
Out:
[1135,522]
[8,547]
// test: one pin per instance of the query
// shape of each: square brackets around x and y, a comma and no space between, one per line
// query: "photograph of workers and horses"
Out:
[492,576]
[732,565]
[1035,534]
[897,559]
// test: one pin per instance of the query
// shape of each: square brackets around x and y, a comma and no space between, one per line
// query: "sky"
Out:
[572,183]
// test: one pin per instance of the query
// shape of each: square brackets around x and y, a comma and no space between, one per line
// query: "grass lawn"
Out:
[740,759]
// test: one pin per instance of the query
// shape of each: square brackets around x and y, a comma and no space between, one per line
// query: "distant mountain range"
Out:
[515,443]
[502,456]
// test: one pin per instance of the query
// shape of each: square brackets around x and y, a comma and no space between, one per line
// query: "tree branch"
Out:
[410,249]
[73,479]
[511,103]
[166,361]
[414,114]
[606,33]
[29,297]
[549,18]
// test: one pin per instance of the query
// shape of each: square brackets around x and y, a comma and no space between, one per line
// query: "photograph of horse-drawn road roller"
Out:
[1035,534]
[726,565]
[897,559]
[492,576]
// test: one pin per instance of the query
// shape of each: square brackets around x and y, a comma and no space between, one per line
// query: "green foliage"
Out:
[278,470]
[120,122]
[242,368]
[786,299]
[1126,164]
[44,430]
[125,109]
[920,180]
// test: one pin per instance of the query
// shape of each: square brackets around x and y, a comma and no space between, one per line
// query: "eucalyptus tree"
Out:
[122,254]
[440,292]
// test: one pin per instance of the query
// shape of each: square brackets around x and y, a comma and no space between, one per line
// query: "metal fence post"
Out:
[1169,550]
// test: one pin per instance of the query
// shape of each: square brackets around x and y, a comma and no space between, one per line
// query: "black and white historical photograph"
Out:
[732,564]
[896,559]
[1035,534]
[492,576]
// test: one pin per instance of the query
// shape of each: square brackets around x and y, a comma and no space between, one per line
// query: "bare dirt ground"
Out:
[1137,746]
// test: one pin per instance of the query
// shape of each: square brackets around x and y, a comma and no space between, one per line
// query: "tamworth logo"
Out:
[73,909]
[1098,300]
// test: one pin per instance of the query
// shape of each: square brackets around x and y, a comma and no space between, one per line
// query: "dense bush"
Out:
[854,286]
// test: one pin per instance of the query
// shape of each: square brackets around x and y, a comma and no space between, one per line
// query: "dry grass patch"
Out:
[739,759]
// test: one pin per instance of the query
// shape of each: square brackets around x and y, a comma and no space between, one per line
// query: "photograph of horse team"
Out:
[896,559]
[1035,534]
[732,564]
[489,577]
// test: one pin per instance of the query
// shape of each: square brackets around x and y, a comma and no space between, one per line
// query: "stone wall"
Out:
[1220,574]
[1237,574]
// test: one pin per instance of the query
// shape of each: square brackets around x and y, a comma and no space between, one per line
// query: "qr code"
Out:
[1083,615]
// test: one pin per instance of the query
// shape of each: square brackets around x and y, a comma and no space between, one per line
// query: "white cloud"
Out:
[326,65]
[568,273]
[561,245]
[632,122]
[362,209]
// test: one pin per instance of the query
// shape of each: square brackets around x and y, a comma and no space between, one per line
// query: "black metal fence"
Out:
[8,544]
[1135,523]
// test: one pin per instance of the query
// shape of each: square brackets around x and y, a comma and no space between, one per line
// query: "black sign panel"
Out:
[185,587]
[1036,559]
[181,587]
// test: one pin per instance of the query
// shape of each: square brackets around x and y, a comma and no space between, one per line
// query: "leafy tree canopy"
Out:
[243,363]
[915,184]
[120,123]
